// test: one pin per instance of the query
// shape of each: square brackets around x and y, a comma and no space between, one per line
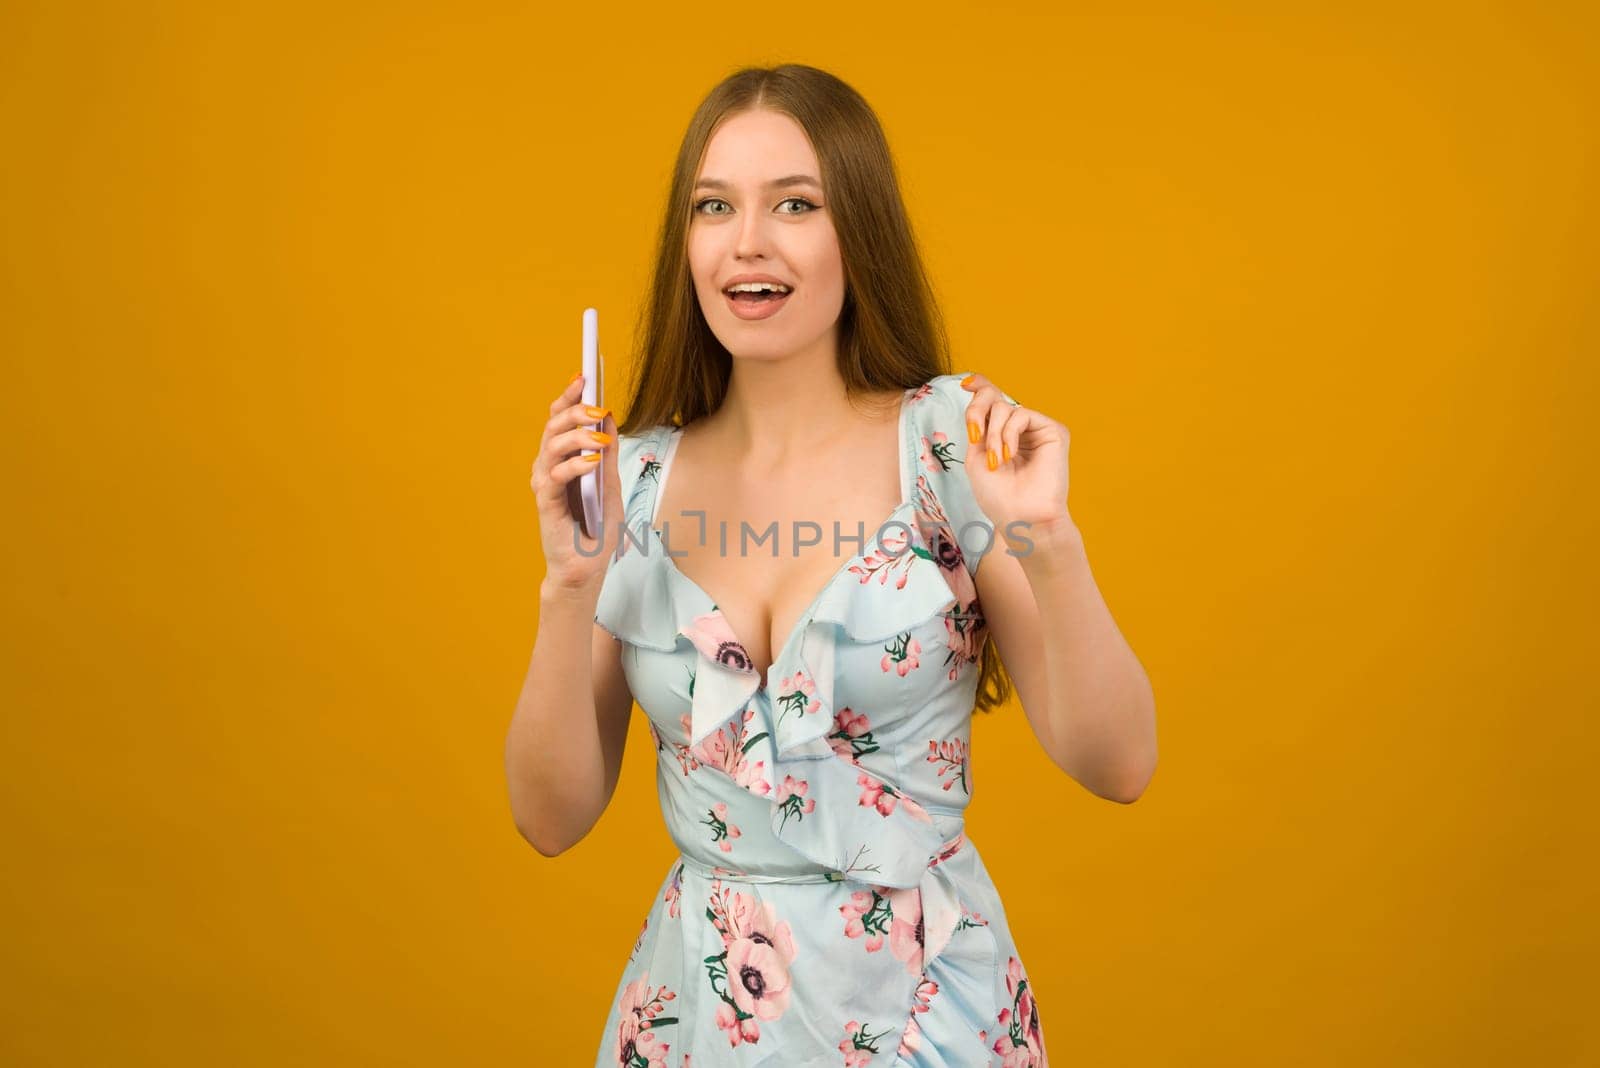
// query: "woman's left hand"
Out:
[1016,461]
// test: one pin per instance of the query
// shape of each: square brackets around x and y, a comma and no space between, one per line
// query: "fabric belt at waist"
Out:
[946,851]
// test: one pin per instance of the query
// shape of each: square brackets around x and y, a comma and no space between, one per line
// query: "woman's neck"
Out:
[776,410]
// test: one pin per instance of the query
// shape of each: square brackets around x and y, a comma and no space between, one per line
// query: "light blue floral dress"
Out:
[826,908]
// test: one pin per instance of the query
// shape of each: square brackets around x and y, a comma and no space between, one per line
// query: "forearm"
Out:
[555,758]
[1100,709]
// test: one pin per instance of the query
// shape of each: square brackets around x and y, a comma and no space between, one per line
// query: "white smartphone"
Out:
[587,499]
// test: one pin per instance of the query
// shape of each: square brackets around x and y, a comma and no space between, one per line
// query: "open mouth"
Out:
[757,292]
[757,300]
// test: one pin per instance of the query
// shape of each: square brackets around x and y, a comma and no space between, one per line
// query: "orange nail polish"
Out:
[592,457]
[595,413]
[967,380]
[601,436]
[575,376]
[1005,452]
[993,461]
[972,431]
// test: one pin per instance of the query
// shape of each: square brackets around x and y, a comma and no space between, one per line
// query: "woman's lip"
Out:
[757,309]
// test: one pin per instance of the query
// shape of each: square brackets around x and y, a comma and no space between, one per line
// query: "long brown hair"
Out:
[891,333]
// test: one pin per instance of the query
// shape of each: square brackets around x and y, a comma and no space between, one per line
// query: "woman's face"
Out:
[759,211]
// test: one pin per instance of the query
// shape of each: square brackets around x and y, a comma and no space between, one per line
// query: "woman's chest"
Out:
[902,689]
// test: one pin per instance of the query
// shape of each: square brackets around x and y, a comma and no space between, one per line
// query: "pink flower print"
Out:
[901,654]
[938,452]
[896,554]
[852,735]
[795,694]
[965,631]
[636,1045]
[884,561]
[737,1029]
[1022,1043]
[946,548]
[948,850]
[725,750]
[757,921]
[715,639]
[718,750]
[748,774]
[792,799]
[910,1038]
[905,930]
[722,832]
[674,893]
[758,978]
[751,974]
[859,1043]
[914,810]
[880,795]
[943,540]
[649,468]
[873,793]
[952,755]
[687,761]
[868,914]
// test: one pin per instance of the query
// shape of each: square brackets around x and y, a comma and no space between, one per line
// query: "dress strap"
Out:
[943,492]
[639,471]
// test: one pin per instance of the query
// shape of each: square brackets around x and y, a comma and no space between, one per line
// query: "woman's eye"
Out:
[705,206]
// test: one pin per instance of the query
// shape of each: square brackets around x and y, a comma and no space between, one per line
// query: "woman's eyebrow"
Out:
[776,183]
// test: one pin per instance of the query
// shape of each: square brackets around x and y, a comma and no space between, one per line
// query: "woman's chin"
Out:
[743,350]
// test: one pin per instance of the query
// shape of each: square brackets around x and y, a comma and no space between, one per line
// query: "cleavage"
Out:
[771,591]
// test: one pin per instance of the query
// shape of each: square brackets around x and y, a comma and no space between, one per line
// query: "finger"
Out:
[571,392]
[973,382]
[1005,426]
[569,395]
[980,413]
[570,442]
[561,441]
[565,399]
[565,471]
[1000,417]
[568,433]
[583,420]
[1017,420]
[573,416]
[588,416]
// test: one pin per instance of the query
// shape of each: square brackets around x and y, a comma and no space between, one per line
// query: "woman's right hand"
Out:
[559,462]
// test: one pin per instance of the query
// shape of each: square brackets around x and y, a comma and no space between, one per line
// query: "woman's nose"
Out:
[752,236]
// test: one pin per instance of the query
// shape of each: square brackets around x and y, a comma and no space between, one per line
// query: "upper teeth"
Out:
[758,287]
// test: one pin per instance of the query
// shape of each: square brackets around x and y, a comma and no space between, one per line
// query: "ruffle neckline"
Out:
[893,585]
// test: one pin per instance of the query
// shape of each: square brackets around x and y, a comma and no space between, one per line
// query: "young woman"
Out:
[789,585]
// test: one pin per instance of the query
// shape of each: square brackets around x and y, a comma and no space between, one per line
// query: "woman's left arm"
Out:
[1083,690]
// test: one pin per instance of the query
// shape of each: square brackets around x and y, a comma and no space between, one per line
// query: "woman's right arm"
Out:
[564,746]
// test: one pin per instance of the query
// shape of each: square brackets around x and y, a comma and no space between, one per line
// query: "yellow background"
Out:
[286,290]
